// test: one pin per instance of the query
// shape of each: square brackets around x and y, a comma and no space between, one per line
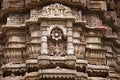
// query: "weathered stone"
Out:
[61,40]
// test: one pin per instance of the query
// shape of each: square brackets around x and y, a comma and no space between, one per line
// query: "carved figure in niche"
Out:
[56,10]
[56,43]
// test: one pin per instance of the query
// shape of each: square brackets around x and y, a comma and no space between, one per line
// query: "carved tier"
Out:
[59,40]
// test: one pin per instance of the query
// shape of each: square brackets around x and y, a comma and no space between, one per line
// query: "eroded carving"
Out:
[56,43]
[92,21]
[56,10]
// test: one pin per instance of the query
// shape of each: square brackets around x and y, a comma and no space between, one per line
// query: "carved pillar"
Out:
[14,45]
[33,47]
[44,47]
[70,48]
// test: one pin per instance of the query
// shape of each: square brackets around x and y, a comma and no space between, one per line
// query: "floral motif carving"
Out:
[57,49]
[56,43]
[56,34]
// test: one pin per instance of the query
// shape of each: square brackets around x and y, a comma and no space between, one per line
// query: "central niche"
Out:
[57,43]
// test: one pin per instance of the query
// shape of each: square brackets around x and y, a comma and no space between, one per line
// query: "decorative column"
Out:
[70,48]
[33,47]
[14,45]
[44,48]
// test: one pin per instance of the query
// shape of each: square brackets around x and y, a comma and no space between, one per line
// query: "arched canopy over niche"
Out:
[55,11]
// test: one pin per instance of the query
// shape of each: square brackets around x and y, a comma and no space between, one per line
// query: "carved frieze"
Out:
[111,61]
[92,21]
[33,50]
[56,10]
[53,10]
[16,20]
[55,22]
[79,50]
[13,4]
[83,2]
[13,55]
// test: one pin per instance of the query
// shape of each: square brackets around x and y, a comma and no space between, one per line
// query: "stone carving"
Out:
[78,15]
[13,55]
[12,77]
[109,32]
[17,19]
[54,22]
[110,4]
[97,5]
[33,49]
[13,3]
[56,10]
[79,50]
[110,15]
[56,35]
[117,22]
[53,10]
[34,14]
[92,21]
[56,43]
[57,49]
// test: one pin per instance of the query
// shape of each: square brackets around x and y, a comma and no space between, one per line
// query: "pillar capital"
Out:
[43,23]
[69,23]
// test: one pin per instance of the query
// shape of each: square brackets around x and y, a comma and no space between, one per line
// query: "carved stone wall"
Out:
[63,39]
